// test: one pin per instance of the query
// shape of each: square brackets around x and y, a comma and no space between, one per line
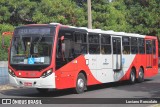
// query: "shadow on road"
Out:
[30,92]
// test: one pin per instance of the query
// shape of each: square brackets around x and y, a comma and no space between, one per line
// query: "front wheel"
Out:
[132,76]
[80,83]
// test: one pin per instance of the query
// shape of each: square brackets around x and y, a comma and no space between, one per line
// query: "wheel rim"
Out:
[132,77]
[80,83]
[141,74]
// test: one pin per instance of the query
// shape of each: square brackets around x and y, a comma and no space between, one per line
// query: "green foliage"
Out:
[143,15]
[4,51]
[61,11]
[136,16]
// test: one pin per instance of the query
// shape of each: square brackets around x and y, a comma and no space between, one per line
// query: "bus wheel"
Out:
[132,76]
[80,83]
[42,90]
[141,75]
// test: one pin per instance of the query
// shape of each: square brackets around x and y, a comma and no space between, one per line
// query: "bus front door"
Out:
[117,57]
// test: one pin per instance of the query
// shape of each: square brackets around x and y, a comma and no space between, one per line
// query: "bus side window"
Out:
[126,45]
[141,46]
[94,45]
[154,46]
[105,44]
[80,43]
[148,47]
[134,46]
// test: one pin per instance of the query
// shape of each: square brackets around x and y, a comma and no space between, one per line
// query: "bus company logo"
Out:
[6,101]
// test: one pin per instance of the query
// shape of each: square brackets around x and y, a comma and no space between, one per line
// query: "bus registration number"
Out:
[27,84]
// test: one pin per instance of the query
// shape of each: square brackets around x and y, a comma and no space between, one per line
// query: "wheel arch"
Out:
[141,67]
[84,73]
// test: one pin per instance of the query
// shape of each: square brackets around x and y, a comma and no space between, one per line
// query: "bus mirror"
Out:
[5,37]
[62,38]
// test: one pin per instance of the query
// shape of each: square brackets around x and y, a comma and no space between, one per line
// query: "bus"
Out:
[56,56]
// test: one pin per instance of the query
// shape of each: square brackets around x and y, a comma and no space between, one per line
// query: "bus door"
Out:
[149,54]
[117,57]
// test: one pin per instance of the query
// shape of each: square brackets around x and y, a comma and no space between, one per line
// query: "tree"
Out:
[62,11]
[4,51]
[143,16]
[109,15]
[135,16]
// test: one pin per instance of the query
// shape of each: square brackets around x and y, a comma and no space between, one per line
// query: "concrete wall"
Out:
[3,63]
[4,73]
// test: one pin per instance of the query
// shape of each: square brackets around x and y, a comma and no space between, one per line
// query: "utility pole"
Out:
[89,14]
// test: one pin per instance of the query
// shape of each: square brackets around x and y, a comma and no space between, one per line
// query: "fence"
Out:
[4,78]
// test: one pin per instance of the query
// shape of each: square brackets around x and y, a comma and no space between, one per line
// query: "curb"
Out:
[155,105]
[6,87]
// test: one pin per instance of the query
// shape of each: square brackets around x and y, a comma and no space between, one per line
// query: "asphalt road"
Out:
[150,88]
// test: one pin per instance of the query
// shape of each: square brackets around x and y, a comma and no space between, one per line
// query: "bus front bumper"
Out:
[47,82]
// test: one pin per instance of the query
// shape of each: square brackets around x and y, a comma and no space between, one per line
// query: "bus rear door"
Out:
[117,56]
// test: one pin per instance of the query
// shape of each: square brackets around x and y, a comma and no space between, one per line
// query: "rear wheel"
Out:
[80,83]
[141,75]
[132,76]
[42,90]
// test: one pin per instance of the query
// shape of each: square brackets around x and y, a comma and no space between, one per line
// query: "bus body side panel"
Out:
[140,61]
[153,59]
[104,68]
[137,64]
[66,76]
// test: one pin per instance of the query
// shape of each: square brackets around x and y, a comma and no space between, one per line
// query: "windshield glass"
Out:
[32,46]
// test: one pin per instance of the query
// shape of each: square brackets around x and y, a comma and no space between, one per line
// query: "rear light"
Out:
[47,73]
[11,72]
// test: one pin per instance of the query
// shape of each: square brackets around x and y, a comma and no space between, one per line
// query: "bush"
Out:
[4,51]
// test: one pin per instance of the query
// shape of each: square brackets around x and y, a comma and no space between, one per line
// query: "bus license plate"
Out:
[27,84]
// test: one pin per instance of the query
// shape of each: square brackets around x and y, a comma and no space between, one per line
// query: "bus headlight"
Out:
[47,73]
[11,72]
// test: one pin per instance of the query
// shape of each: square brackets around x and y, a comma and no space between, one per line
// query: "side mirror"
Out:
[62,38]
[6,34]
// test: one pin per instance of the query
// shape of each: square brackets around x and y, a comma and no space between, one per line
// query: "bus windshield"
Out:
[32,46]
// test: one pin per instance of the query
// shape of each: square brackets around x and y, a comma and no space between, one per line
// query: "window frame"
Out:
[141,45]
[93,43]
[105,44]
[126,45]
[82,39]
[133,45]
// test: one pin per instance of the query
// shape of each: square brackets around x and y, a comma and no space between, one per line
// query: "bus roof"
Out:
[111,32]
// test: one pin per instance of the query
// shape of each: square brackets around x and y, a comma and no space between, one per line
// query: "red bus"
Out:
[56,56]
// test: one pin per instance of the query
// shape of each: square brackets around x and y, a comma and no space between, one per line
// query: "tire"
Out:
[42,90]
[132,76]
[80,83]
[140,75]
